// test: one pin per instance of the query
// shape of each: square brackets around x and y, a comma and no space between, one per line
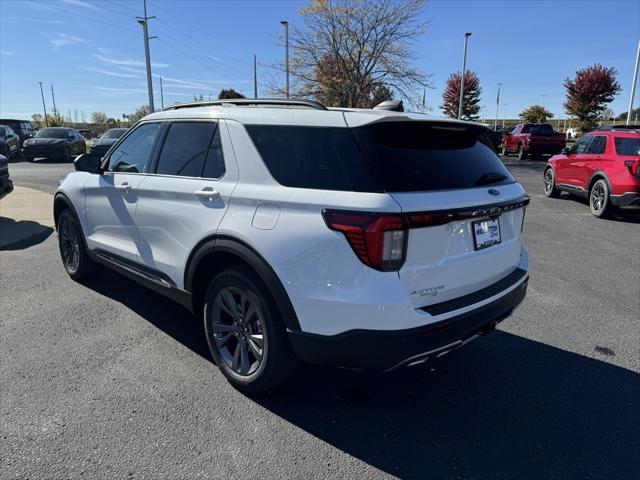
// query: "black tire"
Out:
[72,248]
[549,178]
[599,200]
[522,153]
[256,319]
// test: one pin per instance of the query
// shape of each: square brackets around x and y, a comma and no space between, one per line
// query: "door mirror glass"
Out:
[88,162]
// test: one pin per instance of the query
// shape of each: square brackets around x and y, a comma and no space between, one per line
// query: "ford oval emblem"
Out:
[493,191]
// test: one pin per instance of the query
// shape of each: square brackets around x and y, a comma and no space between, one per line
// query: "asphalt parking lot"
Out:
[111,380]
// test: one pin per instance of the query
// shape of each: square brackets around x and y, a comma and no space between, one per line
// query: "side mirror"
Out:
[88,162]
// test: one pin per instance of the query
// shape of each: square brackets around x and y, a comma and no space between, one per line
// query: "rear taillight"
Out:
[633,166]
[379,240]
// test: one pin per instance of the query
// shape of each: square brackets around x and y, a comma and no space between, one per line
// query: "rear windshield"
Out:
[324,158]
[627,146]
[52,133]
[424,156]
[541,128]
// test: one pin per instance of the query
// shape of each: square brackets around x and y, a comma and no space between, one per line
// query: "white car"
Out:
[359,239]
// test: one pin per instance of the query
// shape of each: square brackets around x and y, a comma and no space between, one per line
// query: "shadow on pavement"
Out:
[21,234]
[502,407]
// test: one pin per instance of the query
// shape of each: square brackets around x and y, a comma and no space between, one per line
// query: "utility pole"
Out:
[495,125]
[633,86]
[46,123]
[255,78]
[286,61]
[53,97]
[161,95]
[144,21]
[464,68]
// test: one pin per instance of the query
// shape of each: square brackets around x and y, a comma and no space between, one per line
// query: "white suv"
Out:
[361,239]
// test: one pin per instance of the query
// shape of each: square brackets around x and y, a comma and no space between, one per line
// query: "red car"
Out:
[603,166]
[533,139]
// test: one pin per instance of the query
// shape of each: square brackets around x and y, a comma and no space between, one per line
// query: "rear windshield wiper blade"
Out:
[491,177]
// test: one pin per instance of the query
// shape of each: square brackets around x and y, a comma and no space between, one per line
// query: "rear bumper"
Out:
[386,350]
[629,199]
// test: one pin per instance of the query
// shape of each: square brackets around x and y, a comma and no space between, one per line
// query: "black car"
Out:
[104,143]
[23,128]
[54,142]
[6,185]
[9,142]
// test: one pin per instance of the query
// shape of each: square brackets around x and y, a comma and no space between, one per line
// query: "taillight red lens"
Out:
[633,166]
[379,241]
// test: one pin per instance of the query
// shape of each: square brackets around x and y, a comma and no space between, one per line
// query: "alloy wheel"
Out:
[69,245]
[548,181]
[238,330]
[598,198]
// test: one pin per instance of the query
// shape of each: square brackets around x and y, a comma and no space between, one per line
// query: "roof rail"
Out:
[251,102]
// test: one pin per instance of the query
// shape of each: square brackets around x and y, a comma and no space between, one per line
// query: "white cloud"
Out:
[62,39]
[129,62]
[110,73]
[80,3]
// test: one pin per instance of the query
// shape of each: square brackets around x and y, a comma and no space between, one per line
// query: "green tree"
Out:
[623,115]
[588,94]
[346,49]
[470,98]
[229,93]
[141,112]
[99,118]
[535,114]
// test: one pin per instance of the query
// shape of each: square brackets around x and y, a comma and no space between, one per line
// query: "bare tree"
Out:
[348,51]
[99,118]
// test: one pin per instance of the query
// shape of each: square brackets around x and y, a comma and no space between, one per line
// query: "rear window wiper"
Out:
[491,177]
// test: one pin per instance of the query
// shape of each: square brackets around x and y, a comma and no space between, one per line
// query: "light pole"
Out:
[464,68]
[286,58]
[255,77]
[543,97]
[161,95]
[633,85]
[144,21]
[46,122]
[504,114]
[495,125]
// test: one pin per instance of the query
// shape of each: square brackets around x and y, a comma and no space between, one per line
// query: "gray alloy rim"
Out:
[69,246]
[238,330]
[548,181]
[598,197]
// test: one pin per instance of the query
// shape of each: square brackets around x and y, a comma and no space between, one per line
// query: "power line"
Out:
[47,5]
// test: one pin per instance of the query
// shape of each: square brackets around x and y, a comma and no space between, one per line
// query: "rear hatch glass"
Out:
[428,156]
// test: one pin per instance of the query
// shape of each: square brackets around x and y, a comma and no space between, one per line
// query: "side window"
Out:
[133,154]
[185,148]
[214,167]
[598,145]
[581,145]
[3,132]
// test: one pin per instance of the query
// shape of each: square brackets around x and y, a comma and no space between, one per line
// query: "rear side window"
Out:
[324,158]
[598,145]
[185,149]
[627,146]
[423,156]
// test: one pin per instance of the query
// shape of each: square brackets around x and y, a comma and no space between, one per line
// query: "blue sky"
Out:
[93,54]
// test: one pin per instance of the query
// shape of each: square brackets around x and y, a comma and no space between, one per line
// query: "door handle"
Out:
[124,186]
[206,192]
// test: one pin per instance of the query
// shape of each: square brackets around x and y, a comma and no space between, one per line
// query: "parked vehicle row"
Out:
[360,239]
[602,166]
[54,142]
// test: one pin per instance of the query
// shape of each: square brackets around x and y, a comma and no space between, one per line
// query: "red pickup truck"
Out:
[533,139]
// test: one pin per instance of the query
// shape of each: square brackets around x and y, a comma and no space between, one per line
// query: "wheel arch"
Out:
[597,175]
[214,254]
